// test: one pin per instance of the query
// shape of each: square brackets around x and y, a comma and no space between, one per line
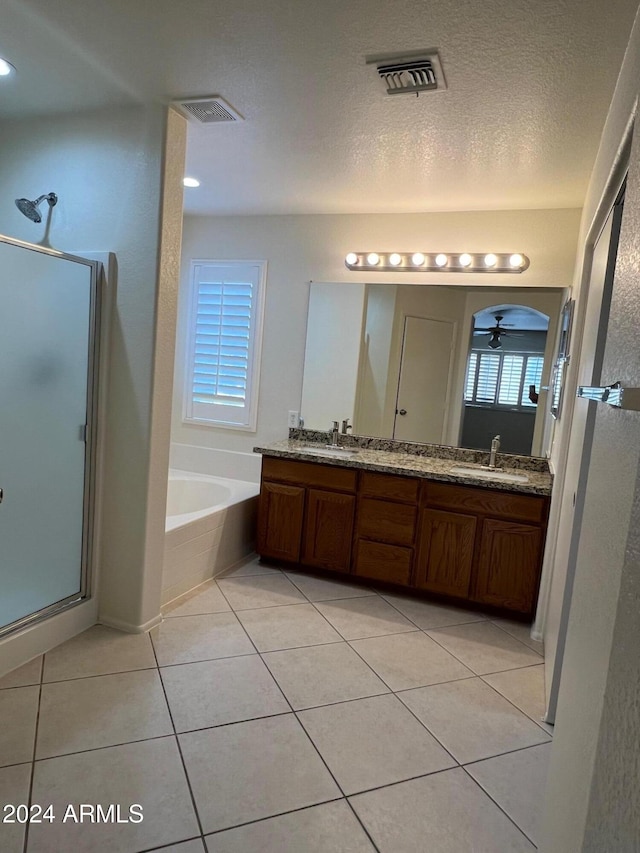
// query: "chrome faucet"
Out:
[495,447]
[346,426]
[335,432]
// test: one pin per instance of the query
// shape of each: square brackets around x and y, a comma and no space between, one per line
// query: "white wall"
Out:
[107,169]
[332,353]
[592,801]
[304,248]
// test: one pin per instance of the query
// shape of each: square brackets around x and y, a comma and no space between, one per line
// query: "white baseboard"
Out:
[129,627]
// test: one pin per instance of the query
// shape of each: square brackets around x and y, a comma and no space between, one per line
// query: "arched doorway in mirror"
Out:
[506,377]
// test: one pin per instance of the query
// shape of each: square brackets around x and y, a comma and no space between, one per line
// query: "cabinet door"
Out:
[509,564]
[328,530]
[280,521]
[445,552]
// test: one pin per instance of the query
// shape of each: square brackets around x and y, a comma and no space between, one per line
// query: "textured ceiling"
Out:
[518,127]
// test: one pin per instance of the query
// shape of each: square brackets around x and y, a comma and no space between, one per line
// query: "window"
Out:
[502,379]
[224,341]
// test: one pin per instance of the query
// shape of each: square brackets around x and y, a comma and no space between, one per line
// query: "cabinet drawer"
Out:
[383,562]
[484,501]
[385,521]
[389,487]
[309,474]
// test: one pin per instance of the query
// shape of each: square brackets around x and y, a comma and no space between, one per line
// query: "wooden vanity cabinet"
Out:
[318,501]
[468,543]
[481,544]
[385,527]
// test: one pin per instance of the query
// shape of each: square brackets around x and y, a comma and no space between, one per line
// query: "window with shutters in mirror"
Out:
[224,342]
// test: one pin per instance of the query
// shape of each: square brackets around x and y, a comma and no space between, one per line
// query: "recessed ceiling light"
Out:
[191,182]
[6,68]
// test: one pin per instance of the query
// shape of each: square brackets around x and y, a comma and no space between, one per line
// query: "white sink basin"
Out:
[502,476]
[337,452]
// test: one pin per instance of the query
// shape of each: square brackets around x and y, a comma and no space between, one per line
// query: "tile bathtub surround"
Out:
[351,746]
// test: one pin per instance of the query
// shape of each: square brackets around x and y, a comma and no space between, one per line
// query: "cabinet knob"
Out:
[401,411]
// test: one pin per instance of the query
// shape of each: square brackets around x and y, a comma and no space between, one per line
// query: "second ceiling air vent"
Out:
[410,73]
[211,109]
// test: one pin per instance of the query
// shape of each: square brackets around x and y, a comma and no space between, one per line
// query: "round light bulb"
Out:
[395,259]
[191,182]
[417,259]
[373,258]
[441,260]
[490,260]
[516,260]
[465,260]
[5,68]
[351,259]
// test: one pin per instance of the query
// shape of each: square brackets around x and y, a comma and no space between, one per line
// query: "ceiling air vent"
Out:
[410,73]
[207,110]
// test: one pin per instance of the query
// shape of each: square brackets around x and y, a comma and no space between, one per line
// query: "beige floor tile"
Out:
[287,627]
[98,651]
[355,618]
[250,568]
[485,648]
[216,692]
[373,742]
[14,789]
[246,593]
[521,631]
[149,773]
[471,720]
[18,713]
[329,828]
[193,638]
[323,589]
[516,782]
[443,813]
[319,675]
[89,713]
[194,846]
[247,771]
[23,676]
[207,598]
[410,660]
[523,687]
[427,614]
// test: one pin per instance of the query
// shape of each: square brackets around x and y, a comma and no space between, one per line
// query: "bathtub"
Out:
[210,526]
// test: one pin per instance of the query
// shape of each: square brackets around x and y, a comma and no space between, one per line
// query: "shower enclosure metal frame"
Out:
[90,437]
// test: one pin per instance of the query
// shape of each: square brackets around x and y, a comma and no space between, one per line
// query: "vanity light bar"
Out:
[476,262]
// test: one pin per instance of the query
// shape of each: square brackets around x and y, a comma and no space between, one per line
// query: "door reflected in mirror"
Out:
[431,363]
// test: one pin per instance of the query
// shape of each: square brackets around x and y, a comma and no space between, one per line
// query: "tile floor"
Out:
[274,711]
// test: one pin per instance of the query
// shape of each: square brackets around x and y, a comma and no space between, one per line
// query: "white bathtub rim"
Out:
[241,490]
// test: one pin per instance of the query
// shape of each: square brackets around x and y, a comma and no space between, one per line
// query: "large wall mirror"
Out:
[433,363]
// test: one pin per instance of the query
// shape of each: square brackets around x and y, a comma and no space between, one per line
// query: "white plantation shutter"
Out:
[224,342]
[502,379]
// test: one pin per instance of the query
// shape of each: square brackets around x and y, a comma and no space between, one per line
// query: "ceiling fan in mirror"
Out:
[497,332]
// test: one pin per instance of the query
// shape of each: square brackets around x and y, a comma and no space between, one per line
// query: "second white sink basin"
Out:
[502,476]
[337,452]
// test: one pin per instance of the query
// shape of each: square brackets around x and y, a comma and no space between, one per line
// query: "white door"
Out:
[423,387]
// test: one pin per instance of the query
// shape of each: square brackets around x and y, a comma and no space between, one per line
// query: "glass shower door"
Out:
[46,338]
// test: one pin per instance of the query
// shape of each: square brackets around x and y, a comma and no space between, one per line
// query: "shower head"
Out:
[30,208]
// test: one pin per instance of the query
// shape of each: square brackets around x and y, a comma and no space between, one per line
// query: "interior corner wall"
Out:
[307,248]
[106,167]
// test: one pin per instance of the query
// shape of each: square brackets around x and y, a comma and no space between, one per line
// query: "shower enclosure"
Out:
[48,367]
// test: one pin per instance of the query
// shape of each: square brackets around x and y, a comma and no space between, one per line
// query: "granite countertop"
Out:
[417,461]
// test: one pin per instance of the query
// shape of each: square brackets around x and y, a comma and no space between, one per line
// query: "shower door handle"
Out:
[1,495]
